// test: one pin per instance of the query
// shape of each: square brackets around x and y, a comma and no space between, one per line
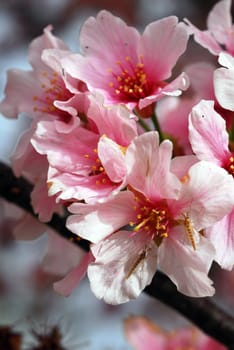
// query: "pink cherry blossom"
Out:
[143,334]
[34,92]
[219,34]
[37,93]
[224,81]
[88,163]
[125,66]
[19,225]
[173,112]
[210,140]
[157,223]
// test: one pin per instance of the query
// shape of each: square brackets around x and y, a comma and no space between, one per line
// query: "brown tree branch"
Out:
[203,312]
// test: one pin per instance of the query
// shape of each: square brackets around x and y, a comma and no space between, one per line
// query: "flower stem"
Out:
[157,126]
[144,125]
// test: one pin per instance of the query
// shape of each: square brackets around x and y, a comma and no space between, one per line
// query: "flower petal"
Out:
[124,265]
[221,235]
[73,278]
[224,82]
[207,133]
[112,158]
[207,187]
[170,35]
[148,166]
[186,267]
[95,222]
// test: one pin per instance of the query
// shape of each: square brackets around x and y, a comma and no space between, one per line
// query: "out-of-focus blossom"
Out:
[173,112]
[15,224]
[219,34]
[143,334]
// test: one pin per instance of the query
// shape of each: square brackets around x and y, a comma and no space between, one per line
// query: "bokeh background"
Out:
[27,300]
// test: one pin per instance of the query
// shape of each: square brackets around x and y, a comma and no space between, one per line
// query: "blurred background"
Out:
[27,300]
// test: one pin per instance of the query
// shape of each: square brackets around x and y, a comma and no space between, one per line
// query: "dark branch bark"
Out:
[203,312]
[17,191]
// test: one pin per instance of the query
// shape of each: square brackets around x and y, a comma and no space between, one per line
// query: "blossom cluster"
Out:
[141,160]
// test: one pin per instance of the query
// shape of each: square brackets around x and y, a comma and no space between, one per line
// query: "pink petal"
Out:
[143,334]
[73,278]
[43,205]
[186,267]
[28,228]
[95,222]
[112,158]
[221,235]
[52,261]
[207,133]
[170,35]
[174,88]
[118,39]
[180,165]
[116,122]
[45,41]
[208,186]
[68,186]
[148,167]
[19,91]
[205,39]
[219,20]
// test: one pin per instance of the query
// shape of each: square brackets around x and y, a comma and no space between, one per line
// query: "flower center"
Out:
[151,220]
[130,82]
[230,165]
[53,89]
[96,168]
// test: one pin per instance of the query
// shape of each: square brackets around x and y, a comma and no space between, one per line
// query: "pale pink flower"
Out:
[143,334]
[224,81]
[37,93]
[87,163]
[128,67]
[157,223]
[219,34]
[210,140]
[34,92]
[16,224]
[173,112]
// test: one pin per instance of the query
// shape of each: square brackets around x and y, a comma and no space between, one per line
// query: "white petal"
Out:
[187,267]
[125,264]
